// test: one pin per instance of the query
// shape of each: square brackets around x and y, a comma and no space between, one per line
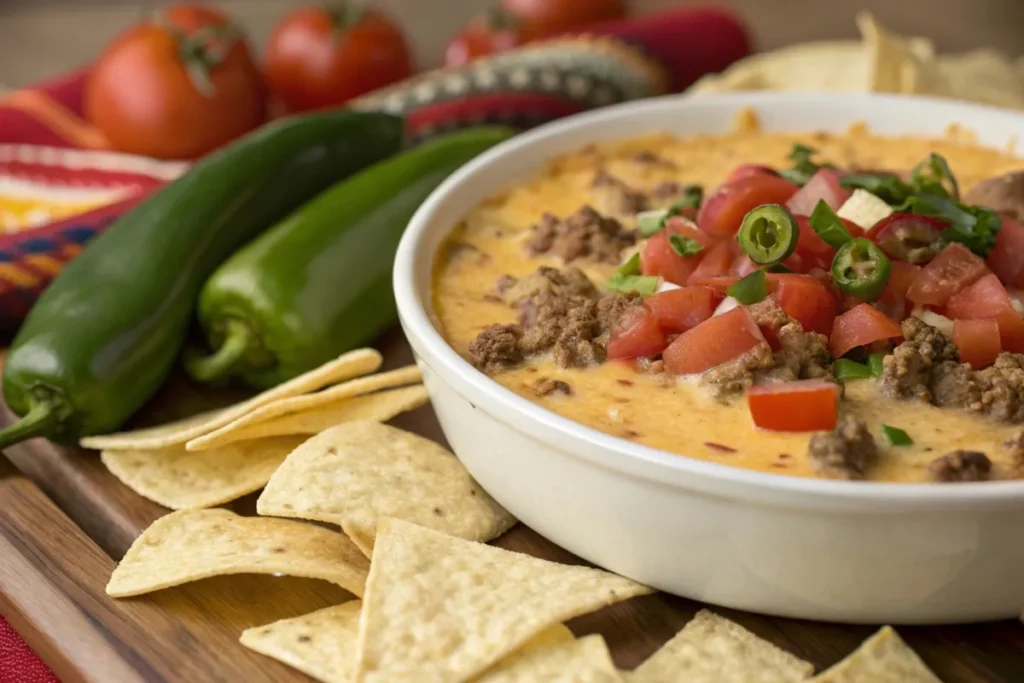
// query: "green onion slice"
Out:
[803,167]
[861,269]
[896,436]
[768,234]
[628,278]
[692,198]
[651,222]
[828,225]
[630,267]
[973,226]
[876,362]
[684,246]
[750,289]
[934,177]
[845,369]
[886,186]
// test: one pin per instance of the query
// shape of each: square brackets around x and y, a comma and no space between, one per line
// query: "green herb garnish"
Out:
[933,176]
[651,222]
[750,289]
[845,369]
[973,226]
[896,436]
[692,198]
[803,167]
[876,362]
[684,246]
[888,187]
[828,225]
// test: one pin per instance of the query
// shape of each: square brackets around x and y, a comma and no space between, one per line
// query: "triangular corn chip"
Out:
[353,474]
[344,367]
[712,649]
[443,609]
[882,658]
[191,545]
[574,661]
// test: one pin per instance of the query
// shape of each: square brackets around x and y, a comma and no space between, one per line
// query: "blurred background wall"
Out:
[39,38]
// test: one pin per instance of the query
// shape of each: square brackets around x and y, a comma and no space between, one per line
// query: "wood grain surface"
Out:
[54,566]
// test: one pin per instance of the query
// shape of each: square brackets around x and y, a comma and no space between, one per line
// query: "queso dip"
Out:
[690,304]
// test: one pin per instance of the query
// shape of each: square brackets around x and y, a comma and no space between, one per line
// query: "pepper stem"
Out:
[38,421]
[218,365]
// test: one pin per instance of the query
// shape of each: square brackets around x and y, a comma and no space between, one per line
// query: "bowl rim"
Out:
[645,462]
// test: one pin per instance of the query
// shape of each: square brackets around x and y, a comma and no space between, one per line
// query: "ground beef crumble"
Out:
[736,376]
[613,196]
[545,386]
[926,367]
[585,234]
[496,348]
[844,453]
[961,466]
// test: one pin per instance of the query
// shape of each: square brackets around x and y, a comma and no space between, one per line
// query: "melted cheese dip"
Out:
[680,418]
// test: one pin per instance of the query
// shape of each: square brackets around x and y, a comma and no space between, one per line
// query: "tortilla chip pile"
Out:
[882,62]
[435,603]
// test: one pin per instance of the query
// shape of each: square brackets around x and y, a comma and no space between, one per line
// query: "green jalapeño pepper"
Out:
[105,334]
[319,283]
[768,234]
[861,269]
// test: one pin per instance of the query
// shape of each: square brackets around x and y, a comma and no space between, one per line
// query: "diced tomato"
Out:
[893,301]
[679,310]
[636,334]
[743,266]
[899,233]
[987,298]
[954,268]
[716,261]
[808,302]
[860,326]
[823,185]
[813,251]
[810,405]
[722,212]
[658,257]
[977,341]
[747,170]
[715,341]
[1007,256]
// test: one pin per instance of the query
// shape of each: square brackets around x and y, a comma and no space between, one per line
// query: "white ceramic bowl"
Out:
[830,550]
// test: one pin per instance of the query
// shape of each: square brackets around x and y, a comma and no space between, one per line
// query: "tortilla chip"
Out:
[984,76]
[379,407]
[296,405]
[833,66]
[195,544]
[712,649]
[342,368]
[897,64]
[353,474]
[321,644]
[443,609]
[574,661]
[882,658]
[180,480]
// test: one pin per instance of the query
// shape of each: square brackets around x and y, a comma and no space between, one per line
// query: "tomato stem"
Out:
[204,50]
[344,15]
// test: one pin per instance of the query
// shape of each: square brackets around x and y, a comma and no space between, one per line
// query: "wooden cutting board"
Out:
[64,520]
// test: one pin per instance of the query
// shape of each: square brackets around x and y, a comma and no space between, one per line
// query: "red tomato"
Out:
[146,96]
[722,212]
[808,302]
[823,185]
[636,334]
[320,57]
[893,301]
[716,261]
[1007,257]
[810,405]
[547,17]
[977,341]
[678,310]
[899,233]
[954,268]
[715,341]
[987,298]
[746,170]
[811,250]
[659,258]
[860,326]
[493,32]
